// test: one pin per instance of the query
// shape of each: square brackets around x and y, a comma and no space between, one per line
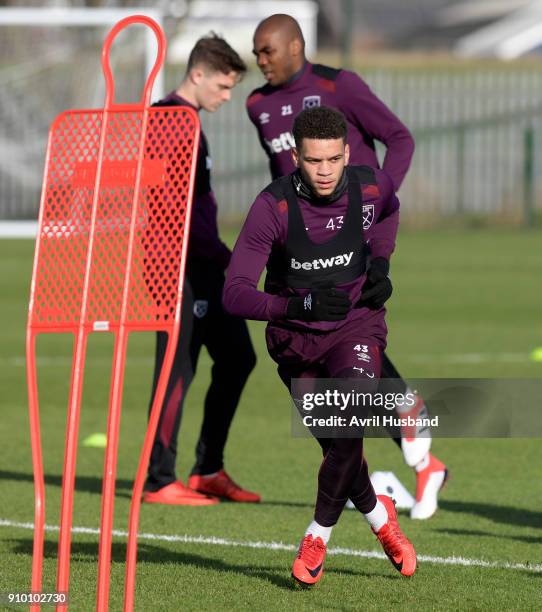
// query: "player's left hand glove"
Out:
[377,288]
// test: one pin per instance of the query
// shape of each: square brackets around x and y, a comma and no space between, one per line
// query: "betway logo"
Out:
[319,264]
[283,143]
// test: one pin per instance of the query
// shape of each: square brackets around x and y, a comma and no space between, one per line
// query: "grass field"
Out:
[466,304]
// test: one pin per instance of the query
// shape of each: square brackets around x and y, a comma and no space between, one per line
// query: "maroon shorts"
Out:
[348,352]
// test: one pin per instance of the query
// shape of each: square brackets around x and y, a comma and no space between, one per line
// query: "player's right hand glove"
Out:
[320,305]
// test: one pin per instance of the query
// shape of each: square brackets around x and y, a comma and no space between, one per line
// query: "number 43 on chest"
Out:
[335,222]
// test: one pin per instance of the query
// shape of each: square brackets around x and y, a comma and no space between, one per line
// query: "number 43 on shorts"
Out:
[363,348]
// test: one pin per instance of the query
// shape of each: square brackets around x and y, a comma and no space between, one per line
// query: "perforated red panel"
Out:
[66,211]
[169,149]
[159,225]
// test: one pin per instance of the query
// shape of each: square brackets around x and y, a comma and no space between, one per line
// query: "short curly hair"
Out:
[322,123]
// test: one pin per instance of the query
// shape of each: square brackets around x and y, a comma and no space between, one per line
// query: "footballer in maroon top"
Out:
[213,69]
[294,84]
[272,110]
[313,229]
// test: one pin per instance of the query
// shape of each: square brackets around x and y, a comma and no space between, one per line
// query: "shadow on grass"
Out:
[93,484]
[467,532]
[508,515]
[288,504]
[278,574]
[88,484]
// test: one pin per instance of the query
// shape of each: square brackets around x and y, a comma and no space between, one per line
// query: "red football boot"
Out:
[309,564]
[178,494]
[221,485]
[394,542]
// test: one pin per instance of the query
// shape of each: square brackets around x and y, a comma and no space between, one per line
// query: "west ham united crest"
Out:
[311,102]
[200,308]
[368,215]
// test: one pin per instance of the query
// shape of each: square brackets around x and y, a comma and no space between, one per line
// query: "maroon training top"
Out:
[273,110]
[266,229]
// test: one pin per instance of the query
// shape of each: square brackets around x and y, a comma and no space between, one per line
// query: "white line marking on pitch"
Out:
[349,552]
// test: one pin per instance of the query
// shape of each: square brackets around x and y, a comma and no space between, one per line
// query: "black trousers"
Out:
[344,472]
[389,371]
[340,453]
[203,323]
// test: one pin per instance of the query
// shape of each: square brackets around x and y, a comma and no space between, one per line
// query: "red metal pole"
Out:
[110,467]
[70,455]
[37,462]
[108,493]
[135,505]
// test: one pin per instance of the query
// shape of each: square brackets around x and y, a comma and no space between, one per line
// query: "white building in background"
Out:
[516,33]
[236,20]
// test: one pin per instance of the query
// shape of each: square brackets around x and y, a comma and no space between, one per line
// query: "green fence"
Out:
[477,139]
[478,133]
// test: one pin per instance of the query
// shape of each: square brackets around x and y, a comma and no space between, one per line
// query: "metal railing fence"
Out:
[478,132]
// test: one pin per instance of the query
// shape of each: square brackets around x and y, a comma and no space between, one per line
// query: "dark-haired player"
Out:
[294,84]
[213,70]
[317,316]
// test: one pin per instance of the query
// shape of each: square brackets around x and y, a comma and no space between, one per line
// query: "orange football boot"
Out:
[178,494]
[309,564]
[221,485]
[394,542]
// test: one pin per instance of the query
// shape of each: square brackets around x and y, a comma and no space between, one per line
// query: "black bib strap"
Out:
[365,174]
[277,188]
[303,264]
[354,198]
[297,233]
[325,72]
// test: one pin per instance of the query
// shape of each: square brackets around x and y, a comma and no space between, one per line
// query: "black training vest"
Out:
[302,264]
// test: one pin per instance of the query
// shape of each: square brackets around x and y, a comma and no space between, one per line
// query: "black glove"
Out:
[320,305]
[377,288]
[378,269]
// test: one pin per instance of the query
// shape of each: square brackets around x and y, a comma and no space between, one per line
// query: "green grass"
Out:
[456,293]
